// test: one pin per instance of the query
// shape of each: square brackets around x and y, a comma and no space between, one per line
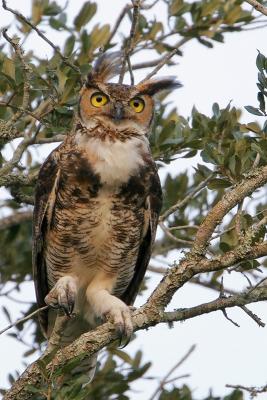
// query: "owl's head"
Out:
[119,106]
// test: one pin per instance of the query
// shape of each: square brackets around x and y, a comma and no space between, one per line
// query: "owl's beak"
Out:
[117,111]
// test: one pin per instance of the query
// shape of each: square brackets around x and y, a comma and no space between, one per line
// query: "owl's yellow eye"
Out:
[137,104]
[99,99]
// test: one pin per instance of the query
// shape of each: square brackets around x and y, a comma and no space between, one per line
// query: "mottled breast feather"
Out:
[66,216]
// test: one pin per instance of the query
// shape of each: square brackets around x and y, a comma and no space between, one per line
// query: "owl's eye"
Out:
[137,104]
[99,99]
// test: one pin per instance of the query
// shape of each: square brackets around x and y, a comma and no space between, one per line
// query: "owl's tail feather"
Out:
[64,331]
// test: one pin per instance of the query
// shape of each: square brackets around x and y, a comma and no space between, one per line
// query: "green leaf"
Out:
[261,100]
[86,13]
[6,312]
[69,46]
[123,355]
[260,61]
[217,183]
[8,67]
[52,9]
[216,110]
[175,6]
[254,110]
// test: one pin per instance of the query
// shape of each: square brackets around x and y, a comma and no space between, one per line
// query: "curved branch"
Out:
[258,6]
[89,343]
[255,180]
[150,314]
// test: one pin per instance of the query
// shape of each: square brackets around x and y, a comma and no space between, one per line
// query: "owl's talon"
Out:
[63,295]
[123,323]
[127,341]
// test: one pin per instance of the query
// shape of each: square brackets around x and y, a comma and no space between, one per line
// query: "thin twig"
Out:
[257,284]
[188,243]
[22,110]
[27,70]
[229,319]
[19,321]
[177,228]
[253,316]
[222,296]
[56,49]
[122,14]
[166,380]
[149,64]
[254,391]
[166,58]
[130,42]
[186,199]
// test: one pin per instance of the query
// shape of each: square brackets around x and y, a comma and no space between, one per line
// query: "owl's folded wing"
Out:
[44,188]
[154,202]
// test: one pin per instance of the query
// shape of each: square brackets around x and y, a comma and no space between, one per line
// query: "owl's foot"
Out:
[119,314]
[63,294]
[111,308]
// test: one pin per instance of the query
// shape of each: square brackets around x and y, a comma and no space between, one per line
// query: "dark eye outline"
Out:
[140,101]
[94,95]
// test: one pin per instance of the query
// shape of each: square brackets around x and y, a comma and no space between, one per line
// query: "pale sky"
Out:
[224,354]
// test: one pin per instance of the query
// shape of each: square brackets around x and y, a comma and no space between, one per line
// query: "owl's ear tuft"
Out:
[106,67]
[154,86]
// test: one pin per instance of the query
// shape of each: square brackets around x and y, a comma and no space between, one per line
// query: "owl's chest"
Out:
[114,161]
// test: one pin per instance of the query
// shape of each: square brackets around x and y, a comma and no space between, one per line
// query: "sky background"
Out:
[224,353]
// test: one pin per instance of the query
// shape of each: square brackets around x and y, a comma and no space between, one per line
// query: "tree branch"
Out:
[254,391]
[39,33]
[24,319]
[165,380]
[130,43]
[253,181]
[163,61]
[186,199]
[89,343]
[15,219]
[258,6]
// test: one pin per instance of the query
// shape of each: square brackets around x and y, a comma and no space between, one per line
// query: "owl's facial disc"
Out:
[117,107]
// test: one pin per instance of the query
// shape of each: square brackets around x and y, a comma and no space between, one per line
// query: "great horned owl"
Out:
[97,203]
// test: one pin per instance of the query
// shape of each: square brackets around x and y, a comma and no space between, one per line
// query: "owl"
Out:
[97,202]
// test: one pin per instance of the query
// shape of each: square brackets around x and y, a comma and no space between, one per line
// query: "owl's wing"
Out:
[44,194]
[154,203]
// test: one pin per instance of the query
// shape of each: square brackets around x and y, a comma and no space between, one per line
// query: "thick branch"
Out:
[191,266]
[256,179]
[258,6]
[15,219]
[89,343]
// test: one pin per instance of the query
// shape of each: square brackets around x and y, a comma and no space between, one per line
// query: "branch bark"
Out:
[191,265]
[89,343]
[15,219]
[258,6]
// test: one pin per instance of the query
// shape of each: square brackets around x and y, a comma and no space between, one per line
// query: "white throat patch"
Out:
[115,161]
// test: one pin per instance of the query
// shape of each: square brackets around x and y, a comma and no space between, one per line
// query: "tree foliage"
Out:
[38,101]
